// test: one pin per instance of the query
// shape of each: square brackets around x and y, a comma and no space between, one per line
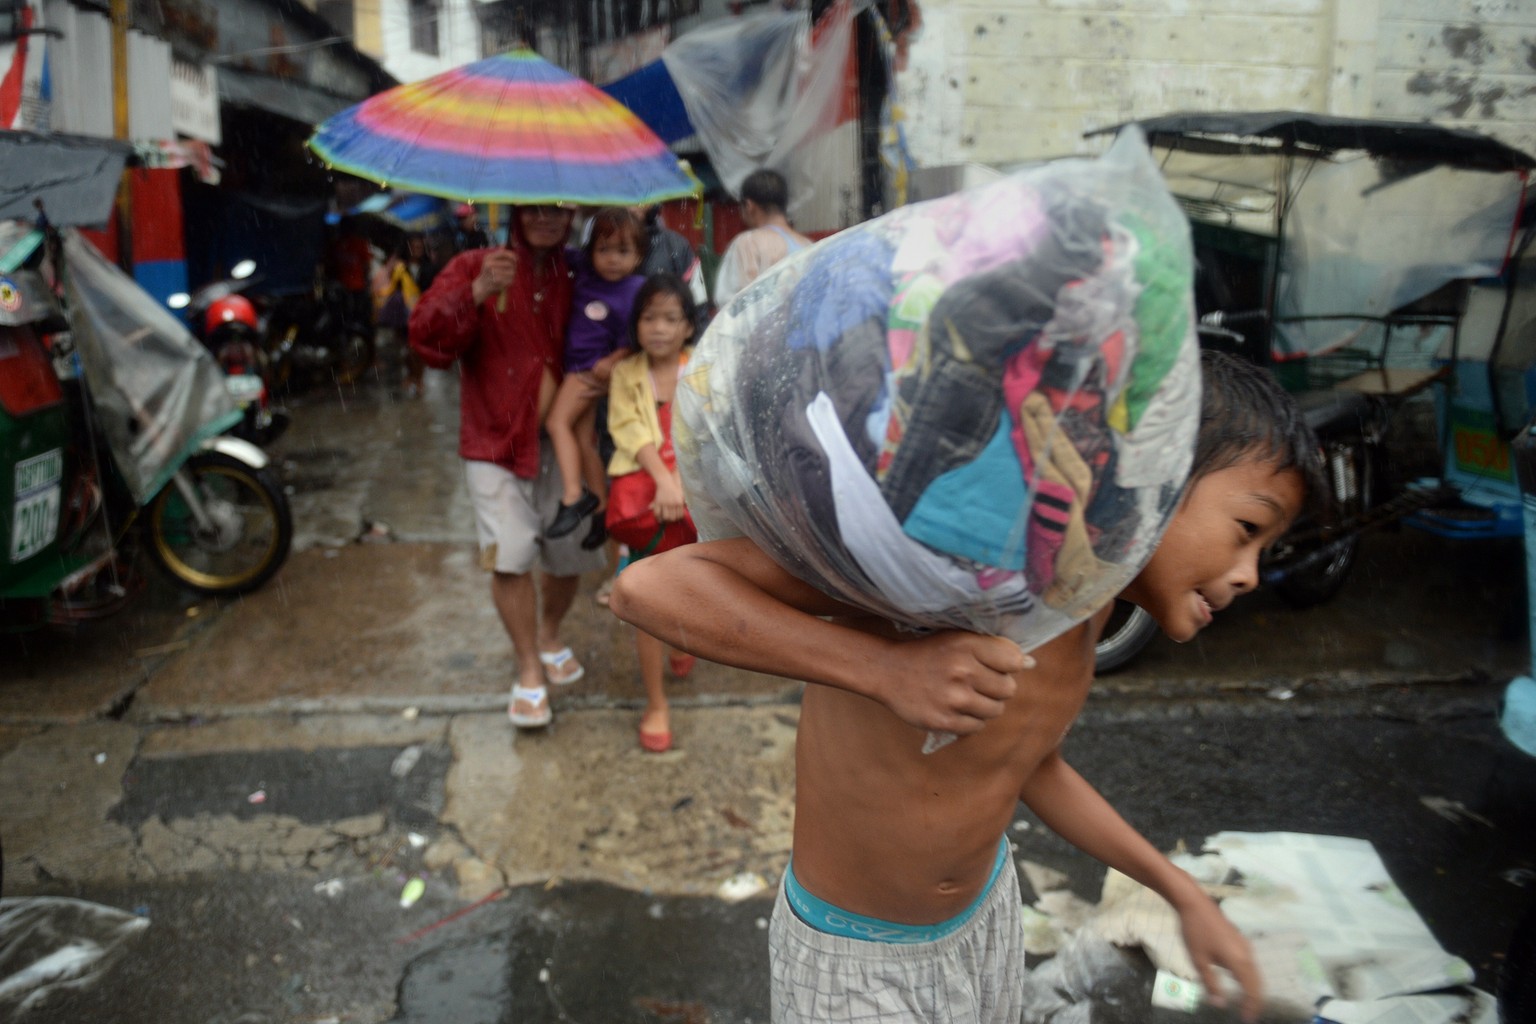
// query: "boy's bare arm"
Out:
[1076,811]
[729,602]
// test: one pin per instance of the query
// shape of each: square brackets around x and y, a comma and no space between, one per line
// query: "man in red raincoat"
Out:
[501,314]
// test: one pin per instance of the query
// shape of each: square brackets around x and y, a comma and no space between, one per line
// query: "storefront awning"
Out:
[75,177]
[285,97]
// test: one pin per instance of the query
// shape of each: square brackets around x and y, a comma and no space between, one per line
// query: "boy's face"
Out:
[1209,555]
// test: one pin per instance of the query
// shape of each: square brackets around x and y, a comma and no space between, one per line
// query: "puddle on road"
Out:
[314,786]
[307,470]
[594,954]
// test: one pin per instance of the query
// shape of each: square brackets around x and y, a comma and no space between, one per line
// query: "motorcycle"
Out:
[228,325]
[1371,266]
[115,424]
[317,337]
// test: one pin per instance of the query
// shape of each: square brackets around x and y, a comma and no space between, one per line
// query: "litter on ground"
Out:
[1336,940]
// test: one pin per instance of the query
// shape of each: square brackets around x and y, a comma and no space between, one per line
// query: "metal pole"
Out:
[120,22]
[121,18]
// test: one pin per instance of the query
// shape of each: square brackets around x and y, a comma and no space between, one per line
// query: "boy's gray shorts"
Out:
[975,975]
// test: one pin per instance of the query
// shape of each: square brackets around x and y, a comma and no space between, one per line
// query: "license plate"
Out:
[243,387]
[35,522]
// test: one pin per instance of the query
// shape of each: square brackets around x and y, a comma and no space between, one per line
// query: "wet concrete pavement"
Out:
[343,728]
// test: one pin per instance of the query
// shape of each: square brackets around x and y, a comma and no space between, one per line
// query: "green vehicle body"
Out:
[36,552]
[33,449]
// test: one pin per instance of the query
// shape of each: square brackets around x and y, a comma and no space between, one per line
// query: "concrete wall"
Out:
[999,81]
[458,38]
[1464,62]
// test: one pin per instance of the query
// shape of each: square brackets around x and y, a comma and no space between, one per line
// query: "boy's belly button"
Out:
[948,888]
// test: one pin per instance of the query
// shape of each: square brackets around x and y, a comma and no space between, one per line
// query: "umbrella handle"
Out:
[501,301]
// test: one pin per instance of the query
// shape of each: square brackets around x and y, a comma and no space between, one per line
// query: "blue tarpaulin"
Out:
[651,95]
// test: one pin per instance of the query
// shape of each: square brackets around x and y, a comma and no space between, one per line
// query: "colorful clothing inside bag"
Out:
[971,412]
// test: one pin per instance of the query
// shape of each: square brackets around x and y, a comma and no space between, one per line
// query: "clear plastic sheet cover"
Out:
[974,412]
[1367,236]
[156,389]
[763,89]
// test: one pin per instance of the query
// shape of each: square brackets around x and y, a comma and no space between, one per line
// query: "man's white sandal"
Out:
[555,662]
[537,699]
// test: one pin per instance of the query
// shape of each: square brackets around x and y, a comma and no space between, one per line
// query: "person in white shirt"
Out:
[769,238]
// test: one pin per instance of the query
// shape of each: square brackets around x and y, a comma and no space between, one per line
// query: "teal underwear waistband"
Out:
[824,917]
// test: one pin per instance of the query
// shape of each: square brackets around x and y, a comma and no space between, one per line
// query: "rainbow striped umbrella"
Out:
[508,129]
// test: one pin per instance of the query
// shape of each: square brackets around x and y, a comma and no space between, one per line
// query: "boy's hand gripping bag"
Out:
[976,412]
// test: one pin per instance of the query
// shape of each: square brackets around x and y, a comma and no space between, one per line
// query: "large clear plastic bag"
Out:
[974,412]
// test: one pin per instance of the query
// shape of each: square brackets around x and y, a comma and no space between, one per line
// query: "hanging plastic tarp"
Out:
[974,412]
[738,81]
[157,390]
[762,91]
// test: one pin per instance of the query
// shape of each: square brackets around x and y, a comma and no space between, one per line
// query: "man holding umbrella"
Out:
[502,313]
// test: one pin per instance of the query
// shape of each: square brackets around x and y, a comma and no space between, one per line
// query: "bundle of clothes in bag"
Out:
[974,412]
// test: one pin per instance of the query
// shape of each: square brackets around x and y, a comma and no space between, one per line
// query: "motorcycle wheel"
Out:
[356,356]
[1128,630]
[251,529]
[1348,468]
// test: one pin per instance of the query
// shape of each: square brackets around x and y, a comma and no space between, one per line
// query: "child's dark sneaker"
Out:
[598,533]
[570,516]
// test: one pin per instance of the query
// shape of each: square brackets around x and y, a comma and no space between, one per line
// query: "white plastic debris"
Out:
[50,944]
[1453,810]
[405,761]
[742,886]
[1171,992]
[331,887]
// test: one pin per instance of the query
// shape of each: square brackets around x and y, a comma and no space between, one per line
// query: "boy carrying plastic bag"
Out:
[974,416]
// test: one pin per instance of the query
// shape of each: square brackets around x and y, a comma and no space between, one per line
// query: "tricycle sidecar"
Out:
[1373,266]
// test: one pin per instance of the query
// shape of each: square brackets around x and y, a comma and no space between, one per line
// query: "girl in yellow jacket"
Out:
[645,500]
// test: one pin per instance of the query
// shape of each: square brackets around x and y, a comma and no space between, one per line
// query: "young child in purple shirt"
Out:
[602,296]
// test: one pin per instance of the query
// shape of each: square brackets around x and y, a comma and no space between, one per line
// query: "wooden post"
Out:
[121,17]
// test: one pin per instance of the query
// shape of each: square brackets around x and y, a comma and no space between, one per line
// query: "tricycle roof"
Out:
[1320,134]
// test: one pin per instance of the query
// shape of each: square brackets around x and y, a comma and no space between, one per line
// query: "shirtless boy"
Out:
[901,903]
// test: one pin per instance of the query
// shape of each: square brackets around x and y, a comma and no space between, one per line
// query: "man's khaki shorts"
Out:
[510,516]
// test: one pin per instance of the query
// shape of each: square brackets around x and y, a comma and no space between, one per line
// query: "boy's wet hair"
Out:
[767,189]
[616,220]
[662,284]
[1246,416]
